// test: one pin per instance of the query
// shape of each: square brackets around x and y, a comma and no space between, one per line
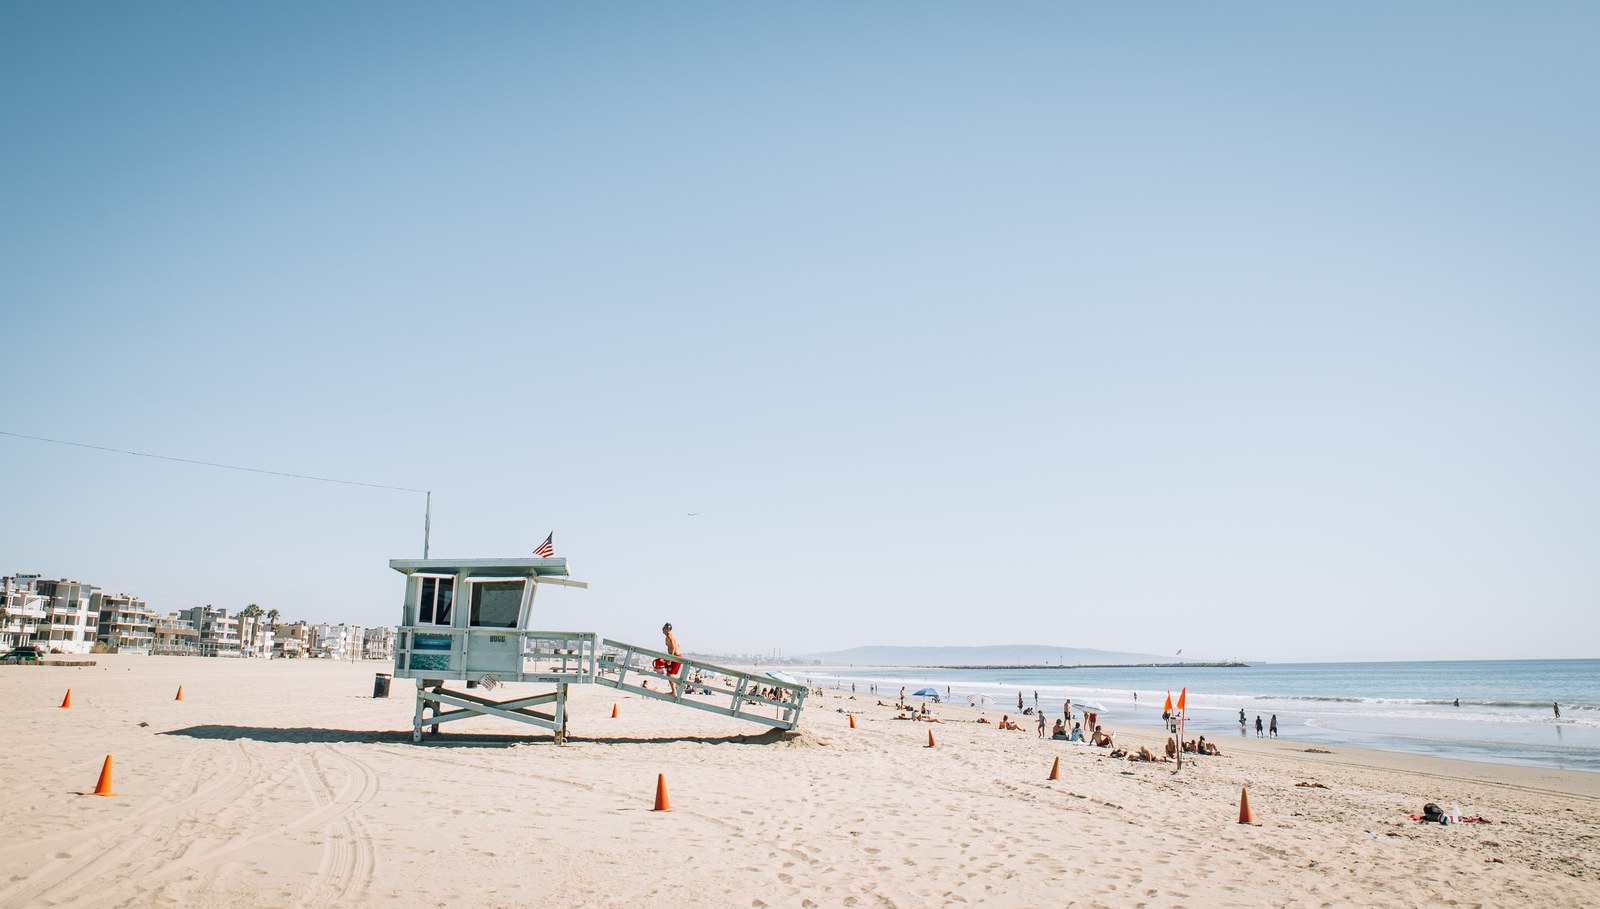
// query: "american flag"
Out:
[547,549]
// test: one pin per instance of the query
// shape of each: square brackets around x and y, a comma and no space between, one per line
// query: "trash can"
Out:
[380,685]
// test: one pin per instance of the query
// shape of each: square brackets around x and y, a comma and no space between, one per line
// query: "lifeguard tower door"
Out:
[496,604]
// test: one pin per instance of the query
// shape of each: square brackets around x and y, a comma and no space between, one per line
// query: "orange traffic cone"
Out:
[66,702]
[613,711]
[1244,808]
[930,738]
[1055,770]
[104,786]
[661,794]
[852,720]
[180,694]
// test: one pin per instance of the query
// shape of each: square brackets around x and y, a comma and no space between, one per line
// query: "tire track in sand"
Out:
[112,846]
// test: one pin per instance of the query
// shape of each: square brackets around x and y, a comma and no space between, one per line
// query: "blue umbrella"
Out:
[926,693]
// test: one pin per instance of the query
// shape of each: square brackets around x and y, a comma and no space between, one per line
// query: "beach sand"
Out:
[285,783]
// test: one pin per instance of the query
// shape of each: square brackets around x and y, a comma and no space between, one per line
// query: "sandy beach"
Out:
[286,783]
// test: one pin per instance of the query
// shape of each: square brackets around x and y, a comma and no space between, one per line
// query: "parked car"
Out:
[27,653]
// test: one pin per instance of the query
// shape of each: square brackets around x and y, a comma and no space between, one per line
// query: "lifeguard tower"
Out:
[467,620]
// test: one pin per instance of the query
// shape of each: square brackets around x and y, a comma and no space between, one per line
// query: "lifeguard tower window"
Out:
[433,603]
[495,604]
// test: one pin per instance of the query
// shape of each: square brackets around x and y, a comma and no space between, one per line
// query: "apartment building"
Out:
[255,636]
[378,643]
[174,635]
[291,640]
[71,621]
[218,632]
[125,622]
[336,642]
[23,611]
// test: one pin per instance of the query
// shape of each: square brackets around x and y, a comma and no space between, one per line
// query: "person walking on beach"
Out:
[1272,728]
[1019,700]
[1259,734]
[672,648]
[902,695]
[1041,723]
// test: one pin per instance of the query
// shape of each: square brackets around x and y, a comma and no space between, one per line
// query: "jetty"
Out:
[1225,664]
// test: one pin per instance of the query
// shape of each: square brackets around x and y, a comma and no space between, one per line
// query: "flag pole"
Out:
[427,524]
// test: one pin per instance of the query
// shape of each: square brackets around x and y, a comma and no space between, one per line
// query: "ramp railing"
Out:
[701,685]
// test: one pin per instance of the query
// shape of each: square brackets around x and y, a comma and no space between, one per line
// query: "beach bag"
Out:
[1432,813]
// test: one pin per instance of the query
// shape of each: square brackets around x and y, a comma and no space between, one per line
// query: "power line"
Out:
[275,473]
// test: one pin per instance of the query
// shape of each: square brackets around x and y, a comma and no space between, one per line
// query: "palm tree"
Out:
[272,616]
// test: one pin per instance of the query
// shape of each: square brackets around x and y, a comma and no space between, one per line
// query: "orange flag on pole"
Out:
[1167,708]
[1182,695]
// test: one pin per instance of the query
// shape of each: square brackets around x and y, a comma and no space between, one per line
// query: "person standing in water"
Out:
[1272,728]
[1259,734]
[1557,707]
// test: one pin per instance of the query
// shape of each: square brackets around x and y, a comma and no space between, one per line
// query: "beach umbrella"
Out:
[926,693]
[979,700]
[784,677]
[1090,706]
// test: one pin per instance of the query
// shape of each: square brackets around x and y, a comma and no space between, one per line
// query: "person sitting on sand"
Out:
[1101,737]
[1059,730]
[1172,746]
[1077,733]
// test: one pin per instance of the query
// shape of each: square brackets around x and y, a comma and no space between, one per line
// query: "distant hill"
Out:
[992,655]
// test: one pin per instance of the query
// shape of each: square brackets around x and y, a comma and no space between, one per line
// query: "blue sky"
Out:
[1255,330]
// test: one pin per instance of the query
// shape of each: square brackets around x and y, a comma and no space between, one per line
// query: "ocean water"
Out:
[1505,712]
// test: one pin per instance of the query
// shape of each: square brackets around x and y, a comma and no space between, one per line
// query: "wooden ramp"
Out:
[701,685]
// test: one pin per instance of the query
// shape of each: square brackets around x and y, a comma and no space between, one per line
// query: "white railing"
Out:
[435,652]
[702,685]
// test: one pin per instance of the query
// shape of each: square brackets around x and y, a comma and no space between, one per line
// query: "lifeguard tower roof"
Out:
[553,569]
